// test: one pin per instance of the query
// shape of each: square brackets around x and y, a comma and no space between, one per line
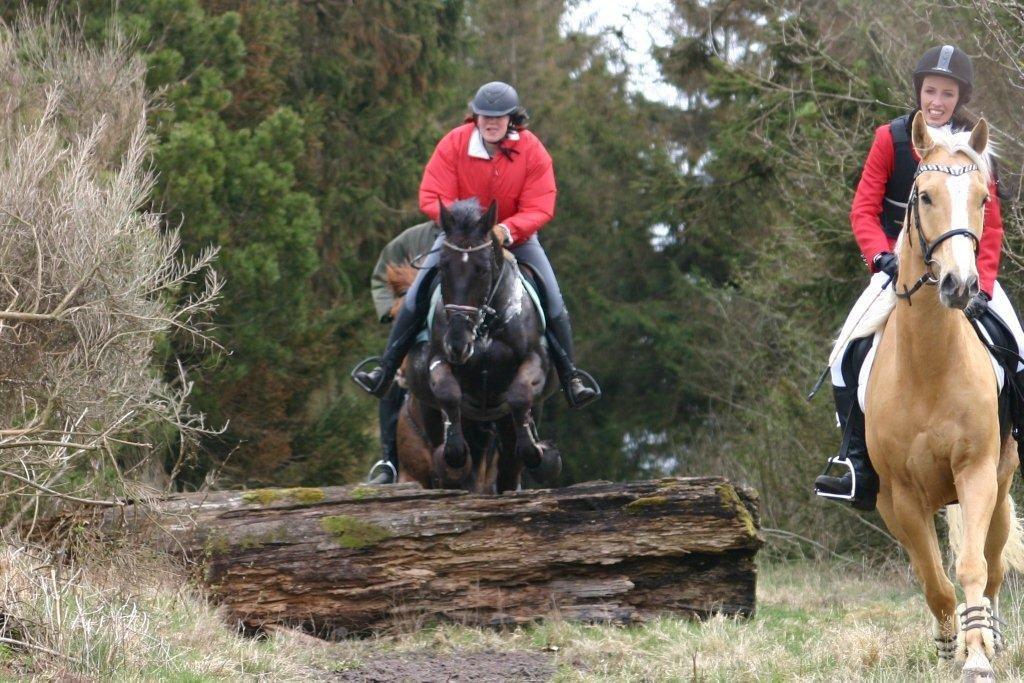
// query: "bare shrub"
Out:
[90,280]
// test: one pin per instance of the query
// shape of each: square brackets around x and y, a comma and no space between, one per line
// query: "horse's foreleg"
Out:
[520,396]
[448,393]
[914,528]
[977,490]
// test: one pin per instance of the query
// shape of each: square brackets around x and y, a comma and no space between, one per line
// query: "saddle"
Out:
[999,341]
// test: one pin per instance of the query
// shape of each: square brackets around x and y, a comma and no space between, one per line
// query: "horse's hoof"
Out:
[454,455]
[977,669]
[451,480]
[530,455]
[550,466]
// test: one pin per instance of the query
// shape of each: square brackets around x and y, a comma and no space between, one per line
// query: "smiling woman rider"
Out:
[943,82]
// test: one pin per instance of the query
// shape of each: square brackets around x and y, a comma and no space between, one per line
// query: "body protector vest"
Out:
[897,190]
[904,166]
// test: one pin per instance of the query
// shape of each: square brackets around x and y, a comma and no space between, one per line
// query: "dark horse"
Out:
[477,384]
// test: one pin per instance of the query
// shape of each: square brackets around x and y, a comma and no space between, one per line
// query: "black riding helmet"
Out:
[495,99]
[951,62]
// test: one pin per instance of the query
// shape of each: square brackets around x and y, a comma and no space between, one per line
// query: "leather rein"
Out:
[913,205]
[479,316]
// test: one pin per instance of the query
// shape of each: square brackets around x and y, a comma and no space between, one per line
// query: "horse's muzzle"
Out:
[956,292]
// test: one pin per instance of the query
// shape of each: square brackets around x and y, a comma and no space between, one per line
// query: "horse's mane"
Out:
[399,278]
[958,142]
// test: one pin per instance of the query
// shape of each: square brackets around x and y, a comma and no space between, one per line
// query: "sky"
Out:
[643,24]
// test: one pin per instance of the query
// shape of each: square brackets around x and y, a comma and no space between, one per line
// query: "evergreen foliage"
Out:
[704,250]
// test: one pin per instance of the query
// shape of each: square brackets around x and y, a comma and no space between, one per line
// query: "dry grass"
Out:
[131,617]
[816,622]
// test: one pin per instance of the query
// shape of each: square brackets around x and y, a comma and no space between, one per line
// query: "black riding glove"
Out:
[977,306]
[887,263]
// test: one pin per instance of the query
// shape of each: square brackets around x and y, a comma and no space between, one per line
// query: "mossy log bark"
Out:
[356,559]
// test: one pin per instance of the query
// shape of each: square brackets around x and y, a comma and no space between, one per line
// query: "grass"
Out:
[817,622]
[134,617]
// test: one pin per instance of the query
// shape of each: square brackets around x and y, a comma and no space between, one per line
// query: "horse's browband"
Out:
[946,168]
[466,250]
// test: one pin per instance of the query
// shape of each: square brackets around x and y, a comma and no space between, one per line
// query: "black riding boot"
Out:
[1016,389]
[859,484]
[574,381]
[385,470]
[401,338]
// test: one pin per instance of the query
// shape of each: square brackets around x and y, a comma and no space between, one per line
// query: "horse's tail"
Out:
[1013,551]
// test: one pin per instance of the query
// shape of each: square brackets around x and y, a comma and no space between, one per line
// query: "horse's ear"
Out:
[487,222]
[920,136]
[445,216]
[979,137]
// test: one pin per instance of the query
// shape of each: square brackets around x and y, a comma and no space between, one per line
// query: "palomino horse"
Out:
[477,384]
[931,414]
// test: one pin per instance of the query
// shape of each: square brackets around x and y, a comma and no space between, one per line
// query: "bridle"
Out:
[478,316]
[913,205]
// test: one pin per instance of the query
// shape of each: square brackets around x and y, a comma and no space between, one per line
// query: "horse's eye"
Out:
[926,199]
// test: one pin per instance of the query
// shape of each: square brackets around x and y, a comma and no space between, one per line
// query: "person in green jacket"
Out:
[404,249]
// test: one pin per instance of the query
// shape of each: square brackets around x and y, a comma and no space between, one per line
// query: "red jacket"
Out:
[522,180]
[867,205]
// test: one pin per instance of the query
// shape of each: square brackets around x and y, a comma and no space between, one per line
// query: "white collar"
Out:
[478,150]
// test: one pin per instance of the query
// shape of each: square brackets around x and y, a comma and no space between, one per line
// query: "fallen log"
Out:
[340,560]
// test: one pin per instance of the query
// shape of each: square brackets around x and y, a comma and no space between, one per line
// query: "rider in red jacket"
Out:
[943,81]
[519,177]
[490,157]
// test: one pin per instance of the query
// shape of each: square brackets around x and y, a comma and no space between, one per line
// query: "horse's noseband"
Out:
[913,204]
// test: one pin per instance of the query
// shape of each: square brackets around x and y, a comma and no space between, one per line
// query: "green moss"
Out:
[305,496]
[351,532]
[216,543]
[363,492]
[730,498]
[643,503]
[262,496]
[276,535]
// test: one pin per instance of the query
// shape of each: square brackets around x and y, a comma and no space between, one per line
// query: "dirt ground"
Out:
[426,667]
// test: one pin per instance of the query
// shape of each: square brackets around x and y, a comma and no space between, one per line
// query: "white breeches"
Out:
[878,305]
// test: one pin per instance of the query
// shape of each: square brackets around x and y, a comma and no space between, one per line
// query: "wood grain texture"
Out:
[350,559]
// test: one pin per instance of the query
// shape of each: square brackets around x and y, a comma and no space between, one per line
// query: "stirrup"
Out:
[845,462]
[359,366]
[588,381]
[379,479]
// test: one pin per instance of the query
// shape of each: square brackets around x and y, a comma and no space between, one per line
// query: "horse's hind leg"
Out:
[510,468]
[995,542]
[914,528]
[415,453]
